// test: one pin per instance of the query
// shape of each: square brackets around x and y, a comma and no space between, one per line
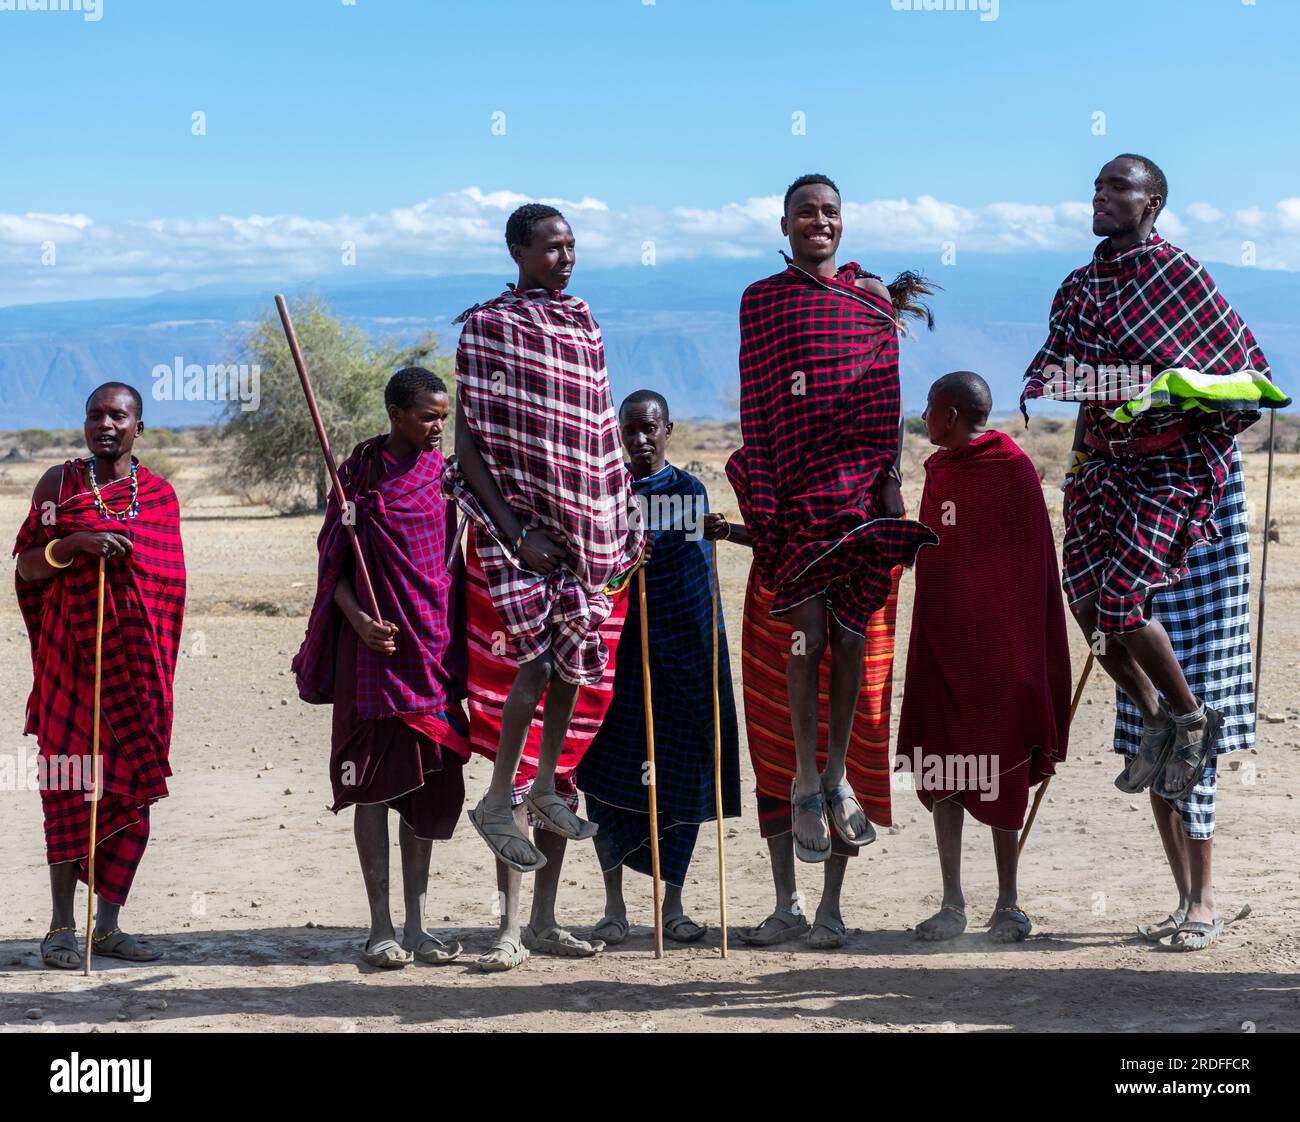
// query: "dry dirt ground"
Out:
[252,886]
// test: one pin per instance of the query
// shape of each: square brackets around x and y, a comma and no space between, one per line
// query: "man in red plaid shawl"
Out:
[1168,374]
[113,507]
[539,466]
[818,486]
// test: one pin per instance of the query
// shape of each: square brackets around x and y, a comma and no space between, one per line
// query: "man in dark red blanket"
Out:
[818,484]
[986,702]
[399,738]
[110,506]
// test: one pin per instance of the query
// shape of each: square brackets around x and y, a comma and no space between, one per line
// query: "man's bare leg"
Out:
[542,922]
[950,920]
[1169,823]
[1010,923]
[1200,862]
[516,717]
[847,651]
[509,885]
[788,912]
[64,947]
[1118,662]
[370,829]
[829,917]
[1150,648]
[561,700]
[808,644]
[417,853]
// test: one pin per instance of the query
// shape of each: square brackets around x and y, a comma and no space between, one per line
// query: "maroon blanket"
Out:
[819,413]
[401,523]
[987,698]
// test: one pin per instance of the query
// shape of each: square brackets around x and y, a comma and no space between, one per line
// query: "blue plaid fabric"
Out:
[1207,616]
[679,594]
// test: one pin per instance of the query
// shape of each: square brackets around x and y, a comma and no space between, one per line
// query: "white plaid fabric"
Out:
[1207,616]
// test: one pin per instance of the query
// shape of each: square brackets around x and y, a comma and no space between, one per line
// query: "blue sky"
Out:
[367,123]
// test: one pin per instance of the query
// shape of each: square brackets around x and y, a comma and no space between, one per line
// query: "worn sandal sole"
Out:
[1209,738]
[518,866]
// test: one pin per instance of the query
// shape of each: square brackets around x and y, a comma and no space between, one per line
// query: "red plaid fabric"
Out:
[531,385]
[1152,305]
[401,524]
[819,410]
[1130,522]
[144,596]
[1129,525]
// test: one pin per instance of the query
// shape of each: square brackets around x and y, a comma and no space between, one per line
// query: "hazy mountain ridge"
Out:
[669,327]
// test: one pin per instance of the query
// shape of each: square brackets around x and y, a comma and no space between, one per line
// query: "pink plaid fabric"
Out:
[531,386]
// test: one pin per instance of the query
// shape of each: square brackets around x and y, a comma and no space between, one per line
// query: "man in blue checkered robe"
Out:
[679,603]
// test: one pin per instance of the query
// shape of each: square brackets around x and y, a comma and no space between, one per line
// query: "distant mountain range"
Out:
[667,327]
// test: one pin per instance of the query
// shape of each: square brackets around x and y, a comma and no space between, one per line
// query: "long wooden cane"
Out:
[1042,787]
[1263,565]
[94,770]
[717,762]
[363,574]
[650,769]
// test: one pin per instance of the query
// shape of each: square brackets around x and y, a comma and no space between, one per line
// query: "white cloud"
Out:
[1203,212]
[461,231]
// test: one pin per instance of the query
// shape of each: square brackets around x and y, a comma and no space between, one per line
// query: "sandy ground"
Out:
[252,886]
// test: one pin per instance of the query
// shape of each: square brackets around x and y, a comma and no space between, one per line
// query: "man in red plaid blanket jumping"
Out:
[1167,374]
[817,481]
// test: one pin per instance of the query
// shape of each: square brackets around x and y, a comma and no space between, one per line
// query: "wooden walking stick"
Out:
[1042,787]
[650,771]
[365,589]
[717,761]
[1263,565]
[94,770]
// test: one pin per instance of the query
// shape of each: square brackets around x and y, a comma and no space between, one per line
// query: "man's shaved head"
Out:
[966,392]
[1155,180]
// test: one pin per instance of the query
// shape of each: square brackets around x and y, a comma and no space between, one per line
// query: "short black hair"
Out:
[969,394]
[1157,184]
[521,224]
[646,397]
[806,181]
[409,381]
[135,396]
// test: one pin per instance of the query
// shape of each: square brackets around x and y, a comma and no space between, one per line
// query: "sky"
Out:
[393,137]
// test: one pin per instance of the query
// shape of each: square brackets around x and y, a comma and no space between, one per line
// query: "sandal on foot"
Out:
[432,951]
[838,795]
[1020,930]
[496,827]
[1141,770]
[514,952]
[831,937]
[780,927]
[61,947]
[941,936]
[1188,758]
[673,929]
[1162,929]
[1195,935]
[548,807]
[810,804]
[561,943]
[118,944]
[611,930]
[387,954]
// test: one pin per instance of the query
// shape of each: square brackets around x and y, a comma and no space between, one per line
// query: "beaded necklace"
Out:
[128,511]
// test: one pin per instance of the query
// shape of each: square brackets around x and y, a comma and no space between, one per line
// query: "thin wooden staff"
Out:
[94,770]
[363,574]
[650,771]
[717,762]
[1263,565]
[1042,787]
